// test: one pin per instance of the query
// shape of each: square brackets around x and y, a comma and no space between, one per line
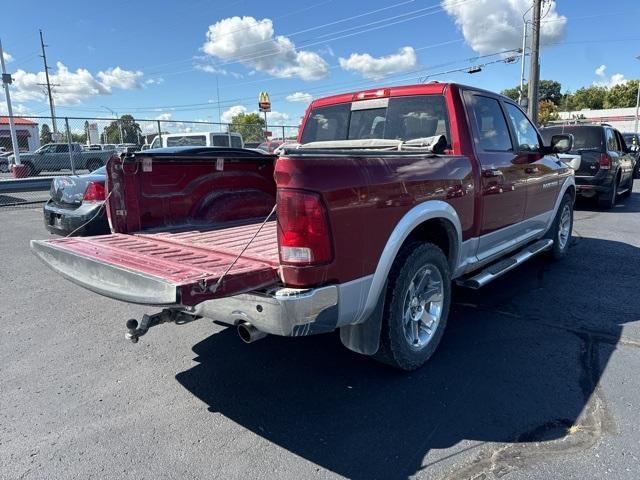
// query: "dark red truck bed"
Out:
[189,215]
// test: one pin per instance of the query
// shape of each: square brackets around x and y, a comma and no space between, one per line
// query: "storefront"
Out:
[26,132]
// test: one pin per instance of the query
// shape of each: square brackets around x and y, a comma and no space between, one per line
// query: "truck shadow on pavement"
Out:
[519,364]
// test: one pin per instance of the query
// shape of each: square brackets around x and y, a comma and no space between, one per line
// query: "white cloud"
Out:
[615,79]
[378,67]
[300,97]
[154,81]
[228,114]
[120,78]
[252,43]
[273,118]
[205,67]
[491,26]
[72,87]
[7,57]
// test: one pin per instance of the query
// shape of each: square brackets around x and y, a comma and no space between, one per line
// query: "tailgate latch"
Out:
[135,331]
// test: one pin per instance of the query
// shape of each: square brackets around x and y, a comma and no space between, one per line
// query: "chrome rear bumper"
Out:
[281,311]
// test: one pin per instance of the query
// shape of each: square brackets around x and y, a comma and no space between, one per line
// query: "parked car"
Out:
[251,144]
[633,144]
[93,147]
[391,195]
[54,157]
[603,164]
[127,148]
[76,205]
[270,145]
[4,161]
[198,139]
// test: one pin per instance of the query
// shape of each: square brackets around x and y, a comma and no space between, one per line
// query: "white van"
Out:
[198,139]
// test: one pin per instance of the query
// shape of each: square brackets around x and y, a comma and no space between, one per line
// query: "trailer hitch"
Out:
[135,331]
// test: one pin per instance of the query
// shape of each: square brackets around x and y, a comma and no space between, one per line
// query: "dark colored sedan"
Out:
[77,205]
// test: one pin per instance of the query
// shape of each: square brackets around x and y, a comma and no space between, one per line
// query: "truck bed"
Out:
[168,268]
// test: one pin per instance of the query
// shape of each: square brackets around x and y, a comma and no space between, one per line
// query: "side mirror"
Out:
[562,143]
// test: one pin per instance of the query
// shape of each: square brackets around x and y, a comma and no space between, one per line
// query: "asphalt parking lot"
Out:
[536,377]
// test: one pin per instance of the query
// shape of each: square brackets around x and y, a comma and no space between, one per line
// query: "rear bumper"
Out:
[280,311]
[599,183]
[81,221]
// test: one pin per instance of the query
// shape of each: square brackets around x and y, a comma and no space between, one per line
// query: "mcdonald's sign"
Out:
[264,103]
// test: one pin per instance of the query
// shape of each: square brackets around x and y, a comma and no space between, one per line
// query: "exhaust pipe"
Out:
[248,333]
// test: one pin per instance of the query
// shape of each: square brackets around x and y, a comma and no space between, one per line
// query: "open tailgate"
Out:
[166,268]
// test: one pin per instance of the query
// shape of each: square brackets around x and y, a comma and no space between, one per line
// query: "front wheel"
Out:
[416,306]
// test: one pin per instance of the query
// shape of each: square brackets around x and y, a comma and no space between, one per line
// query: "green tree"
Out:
[547,90]
[249,125]
[547,111]
[131,130]
[79,138]
[622,95]
[45,134]
[586,97]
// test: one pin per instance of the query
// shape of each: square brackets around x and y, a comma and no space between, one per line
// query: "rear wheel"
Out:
[561,228]
[417,303]
[94,164]
[608,200]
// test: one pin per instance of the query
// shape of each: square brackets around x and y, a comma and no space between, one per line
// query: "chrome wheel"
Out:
[564,226]
[422,306]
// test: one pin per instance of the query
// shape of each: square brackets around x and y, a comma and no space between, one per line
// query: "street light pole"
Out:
[534,69]
[6,80]
[635,130]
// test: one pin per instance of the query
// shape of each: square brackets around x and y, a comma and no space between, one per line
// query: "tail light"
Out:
[376,93]
[605,161]
[94,193]
[303,230]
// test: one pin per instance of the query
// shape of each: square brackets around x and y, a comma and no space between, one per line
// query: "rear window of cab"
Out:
[399,118]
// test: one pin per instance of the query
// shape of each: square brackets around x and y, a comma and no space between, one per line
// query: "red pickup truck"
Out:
[388,197]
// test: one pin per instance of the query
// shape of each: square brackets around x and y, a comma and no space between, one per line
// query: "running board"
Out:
[498,269]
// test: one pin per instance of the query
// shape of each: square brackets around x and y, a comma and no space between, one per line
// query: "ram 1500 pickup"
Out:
[389,196]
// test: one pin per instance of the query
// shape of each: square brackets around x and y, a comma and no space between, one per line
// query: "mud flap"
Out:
[364,337]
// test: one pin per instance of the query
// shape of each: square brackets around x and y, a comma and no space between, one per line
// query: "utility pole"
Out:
[6,81]
[534,69]
[46,73]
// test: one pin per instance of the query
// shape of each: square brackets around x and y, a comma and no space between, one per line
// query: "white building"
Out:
[621,118]
[26,131]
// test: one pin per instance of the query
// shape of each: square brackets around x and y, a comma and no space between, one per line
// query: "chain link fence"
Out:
[53,146]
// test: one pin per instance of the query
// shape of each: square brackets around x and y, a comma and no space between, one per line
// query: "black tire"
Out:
[31,169]
[561,243]
[94,164]
[607,200]
[4,166]
[396,349]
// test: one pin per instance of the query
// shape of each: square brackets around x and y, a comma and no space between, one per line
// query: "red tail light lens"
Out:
[605,161]
[94,192]
[303,230]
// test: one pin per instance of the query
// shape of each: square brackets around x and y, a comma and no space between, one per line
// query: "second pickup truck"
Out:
[389,196]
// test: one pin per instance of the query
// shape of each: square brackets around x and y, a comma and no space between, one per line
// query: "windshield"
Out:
[584,137]
[401,118]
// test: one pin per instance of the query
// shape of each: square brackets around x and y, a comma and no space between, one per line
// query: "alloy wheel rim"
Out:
[564,229]
[422,307]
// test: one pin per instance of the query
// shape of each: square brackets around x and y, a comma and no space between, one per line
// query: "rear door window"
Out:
[584,137]
[612,141]
[492,133]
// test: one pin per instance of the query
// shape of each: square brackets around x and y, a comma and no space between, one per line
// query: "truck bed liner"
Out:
[168,267]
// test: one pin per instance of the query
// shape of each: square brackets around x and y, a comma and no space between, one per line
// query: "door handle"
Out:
[494,172]
[531,170]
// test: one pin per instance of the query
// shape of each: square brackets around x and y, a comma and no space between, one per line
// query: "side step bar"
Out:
[498,269]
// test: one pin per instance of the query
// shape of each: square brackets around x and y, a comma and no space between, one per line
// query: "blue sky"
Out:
[149,58]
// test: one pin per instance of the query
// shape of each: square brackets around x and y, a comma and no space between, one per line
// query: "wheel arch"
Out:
[435,221]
